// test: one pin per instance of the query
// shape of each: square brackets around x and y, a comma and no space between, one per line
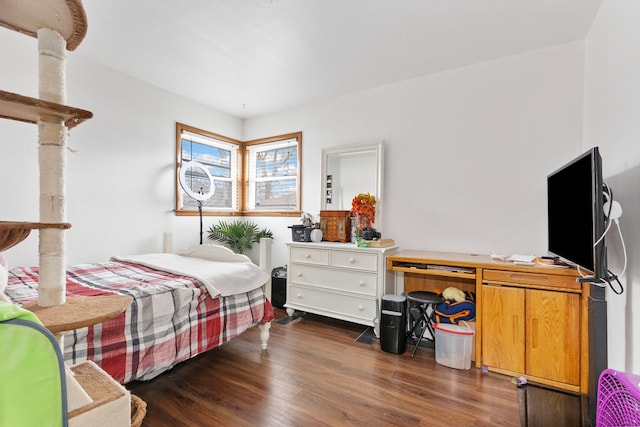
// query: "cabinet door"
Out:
[503,327]
[553,335]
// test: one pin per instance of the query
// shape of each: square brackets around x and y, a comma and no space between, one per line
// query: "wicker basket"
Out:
[138,410]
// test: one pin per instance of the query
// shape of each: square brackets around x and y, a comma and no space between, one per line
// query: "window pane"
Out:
[272,173]
[277,162]
[197,181]
[221,199]
[276,195]
[219,157]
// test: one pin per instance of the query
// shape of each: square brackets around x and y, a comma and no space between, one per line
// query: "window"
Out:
[272,175]
[220,156]
[260,177]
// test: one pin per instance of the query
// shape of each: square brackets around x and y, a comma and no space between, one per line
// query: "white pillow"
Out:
[4,278]
[215,253]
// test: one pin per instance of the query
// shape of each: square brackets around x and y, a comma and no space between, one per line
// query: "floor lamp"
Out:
[195,188]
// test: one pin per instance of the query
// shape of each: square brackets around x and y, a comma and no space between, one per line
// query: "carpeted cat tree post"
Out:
[52,145]
[90,396]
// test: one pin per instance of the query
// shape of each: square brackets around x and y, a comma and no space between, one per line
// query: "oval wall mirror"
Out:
[350,170]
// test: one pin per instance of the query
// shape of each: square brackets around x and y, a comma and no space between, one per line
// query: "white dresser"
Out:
[338,280]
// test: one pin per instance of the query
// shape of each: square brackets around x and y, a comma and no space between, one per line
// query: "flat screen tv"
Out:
[575,212]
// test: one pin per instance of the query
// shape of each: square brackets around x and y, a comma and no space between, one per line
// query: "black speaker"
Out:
[598,355]
[279,287]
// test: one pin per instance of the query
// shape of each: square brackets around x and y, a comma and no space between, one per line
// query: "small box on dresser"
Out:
[335,226]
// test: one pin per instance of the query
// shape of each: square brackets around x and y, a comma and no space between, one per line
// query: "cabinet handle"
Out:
[352,260]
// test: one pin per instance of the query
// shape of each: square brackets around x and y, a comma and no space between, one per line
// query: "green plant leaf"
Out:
[238,236]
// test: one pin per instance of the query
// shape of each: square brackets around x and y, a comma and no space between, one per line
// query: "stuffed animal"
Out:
[453,294]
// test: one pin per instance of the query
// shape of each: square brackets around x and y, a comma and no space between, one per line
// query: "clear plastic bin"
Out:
[453,345]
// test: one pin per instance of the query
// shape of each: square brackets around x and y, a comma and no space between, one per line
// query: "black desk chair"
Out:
[426,302]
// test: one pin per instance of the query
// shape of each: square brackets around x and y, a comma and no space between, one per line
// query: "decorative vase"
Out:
[359,224]
[316,235]
[364,223]
[354,229]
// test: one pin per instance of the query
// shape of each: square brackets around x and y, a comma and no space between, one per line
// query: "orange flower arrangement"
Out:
[364,205]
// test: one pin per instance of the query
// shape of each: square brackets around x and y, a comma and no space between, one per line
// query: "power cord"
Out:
[613,214]
[603,283]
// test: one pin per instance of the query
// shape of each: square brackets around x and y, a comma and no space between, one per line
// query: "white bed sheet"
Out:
[220,278]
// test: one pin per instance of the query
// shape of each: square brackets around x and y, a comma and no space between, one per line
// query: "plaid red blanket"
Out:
[172,318]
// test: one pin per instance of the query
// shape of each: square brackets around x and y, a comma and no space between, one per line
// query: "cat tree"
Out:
[59,25]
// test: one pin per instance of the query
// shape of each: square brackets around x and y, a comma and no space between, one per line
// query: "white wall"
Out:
[612,103]
[467,151]
[120,195]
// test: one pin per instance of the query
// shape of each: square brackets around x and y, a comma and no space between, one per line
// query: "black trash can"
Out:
[393,324]
[279,287]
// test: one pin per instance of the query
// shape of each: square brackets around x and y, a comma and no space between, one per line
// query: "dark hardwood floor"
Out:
[315,373]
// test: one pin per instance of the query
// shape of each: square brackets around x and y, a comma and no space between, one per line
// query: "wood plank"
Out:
[553,336]
[315,373]
[30,110]
[503,320]
[13,232]
[471,261]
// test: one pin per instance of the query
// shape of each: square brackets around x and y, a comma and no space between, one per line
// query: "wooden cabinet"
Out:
[530,331]
[337,280]
[503,325]
[532,326]
[552,336]
[530,320]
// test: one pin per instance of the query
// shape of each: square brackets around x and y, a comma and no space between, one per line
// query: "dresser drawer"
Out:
[542,281]
[356,260]
[352,281]
[329,303]
[310,256]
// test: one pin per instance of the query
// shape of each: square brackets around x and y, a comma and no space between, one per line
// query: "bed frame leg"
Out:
[264,334]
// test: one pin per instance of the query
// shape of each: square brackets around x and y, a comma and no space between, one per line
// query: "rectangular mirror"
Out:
[350,170]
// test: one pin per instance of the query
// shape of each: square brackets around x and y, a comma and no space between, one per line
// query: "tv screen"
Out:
[575,213]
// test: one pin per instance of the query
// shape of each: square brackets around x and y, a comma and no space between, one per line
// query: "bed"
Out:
[183,305]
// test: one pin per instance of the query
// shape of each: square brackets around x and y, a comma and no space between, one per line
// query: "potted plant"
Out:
[239,236]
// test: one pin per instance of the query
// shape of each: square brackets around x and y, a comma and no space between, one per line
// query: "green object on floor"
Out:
[32,378]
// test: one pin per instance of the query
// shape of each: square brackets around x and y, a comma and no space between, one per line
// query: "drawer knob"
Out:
[362,283]
[299,274]
[352,260]
[360,308]
[307,256]
[299,296]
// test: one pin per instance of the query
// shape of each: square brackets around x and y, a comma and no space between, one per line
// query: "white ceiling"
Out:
[254,57]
